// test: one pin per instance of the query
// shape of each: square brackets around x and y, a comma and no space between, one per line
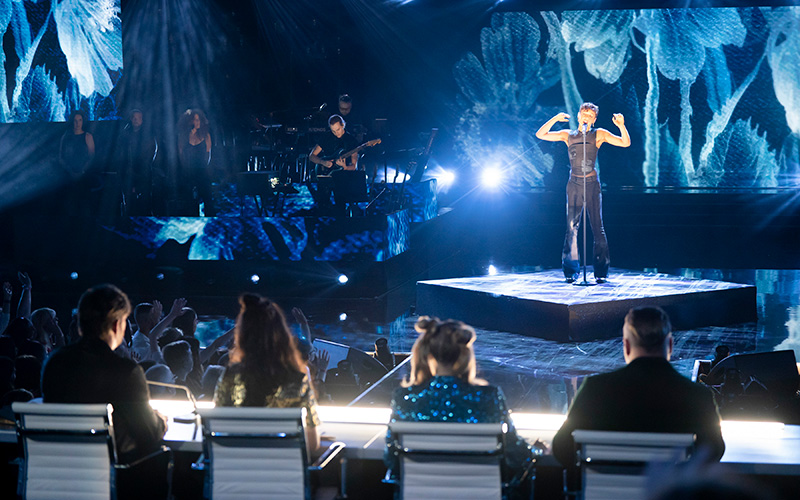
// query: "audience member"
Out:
[209,382]
[443,377]
[73,335]
[89,372]
[47,331]
[178,356]
[21,332]
[266,368]
[647,395]
[28,374]
[14,396]
[163,374]
[720,353]
[145,342]
[186,321]
[169,336]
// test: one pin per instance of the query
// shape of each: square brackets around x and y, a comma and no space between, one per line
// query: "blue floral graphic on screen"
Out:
[64,55]
[693,84]
[498,95]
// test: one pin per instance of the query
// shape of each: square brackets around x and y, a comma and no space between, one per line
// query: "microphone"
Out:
[583,128]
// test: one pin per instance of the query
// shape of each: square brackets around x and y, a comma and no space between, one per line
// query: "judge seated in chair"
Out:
[646,395]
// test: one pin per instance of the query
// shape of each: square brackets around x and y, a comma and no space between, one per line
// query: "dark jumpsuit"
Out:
[580,168]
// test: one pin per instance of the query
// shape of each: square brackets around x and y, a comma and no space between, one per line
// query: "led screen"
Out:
[59,56]
[711,96]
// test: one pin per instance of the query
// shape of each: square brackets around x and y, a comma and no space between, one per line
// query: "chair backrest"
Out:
[68,451]
[255,453]
[613,464]
[440,460]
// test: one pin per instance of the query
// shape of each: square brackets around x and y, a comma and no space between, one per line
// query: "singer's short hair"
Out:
[591,107]
[345,98]
[336,119]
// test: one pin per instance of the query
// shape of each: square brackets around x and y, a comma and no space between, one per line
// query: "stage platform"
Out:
[543,305]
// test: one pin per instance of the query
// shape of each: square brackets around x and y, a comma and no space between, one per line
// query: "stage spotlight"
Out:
[447,178]
[492,177]
[160,276]
[492,270]
[343,279]
[255,279]
[342,316]
[73,275]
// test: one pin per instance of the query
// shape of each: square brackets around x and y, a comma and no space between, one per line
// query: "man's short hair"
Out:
[591,107]
[141,312]
[336,119]
[178,356]
[98,309]
[345,98]
[649,327]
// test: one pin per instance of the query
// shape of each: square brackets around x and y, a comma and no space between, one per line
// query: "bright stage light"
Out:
[255,279]
[343,279]
[343,317]
[160,276]
[492,177]
[492,270]
[73,275]
[446,178]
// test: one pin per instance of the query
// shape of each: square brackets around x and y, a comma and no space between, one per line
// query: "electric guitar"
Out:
[343,156]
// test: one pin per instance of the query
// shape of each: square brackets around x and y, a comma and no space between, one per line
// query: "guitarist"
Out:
[332,146]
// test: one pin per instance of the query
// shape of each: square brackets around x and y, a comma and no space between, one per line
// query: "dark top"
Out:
[137,149]
[647,395]
[88,372]
[333,146]
[449,399]
[295,393]
[576,159]
[195,155]
[74,152]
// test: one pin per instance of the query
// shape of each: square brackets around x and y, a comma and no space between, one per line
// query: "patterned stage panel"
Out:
[373,238]
[543,305]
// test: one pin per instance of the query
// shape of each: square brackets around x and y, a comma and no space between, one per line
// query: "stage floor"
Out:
[543,305]
[539,375]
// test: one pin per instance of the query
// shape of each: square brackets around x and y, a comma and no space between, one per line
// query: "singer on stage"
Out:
[583,145]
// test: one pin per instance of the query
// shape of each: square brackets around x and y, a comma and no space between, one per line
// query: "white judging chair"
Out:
[258,453]
[68,451]
[442,460]
[613,464]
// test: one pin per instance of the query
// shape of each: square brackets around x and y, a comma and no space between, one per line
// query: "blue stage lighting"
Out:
[343,279]
[73,275]
[160,276]
[342,316]
[492,177]
[447,178]
[492,270]
[255,279]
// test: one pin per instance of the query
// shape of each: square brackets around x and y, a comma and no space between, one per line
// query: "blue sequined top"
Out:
[450,399]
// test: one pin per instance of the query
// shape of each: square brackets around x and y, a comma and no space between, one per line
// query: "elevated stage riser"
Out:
[542,305]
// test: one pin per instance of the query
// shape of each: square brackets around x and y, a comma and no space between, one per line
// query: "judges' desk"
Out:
[753,448]
[750,447]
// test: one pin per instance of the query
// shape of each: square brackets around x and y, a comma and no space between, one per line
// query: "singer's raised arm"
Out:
[545,134]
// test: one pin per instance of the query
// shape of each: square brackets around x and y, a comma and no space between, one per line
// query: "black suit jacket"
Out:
[88,372]
[647,395]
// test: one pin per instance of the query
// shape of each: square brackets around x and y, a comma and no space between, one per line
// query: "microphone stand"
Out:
[583,209]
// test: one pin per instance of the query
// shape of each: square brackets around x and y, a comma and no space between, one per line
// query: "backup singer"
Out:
[583,145]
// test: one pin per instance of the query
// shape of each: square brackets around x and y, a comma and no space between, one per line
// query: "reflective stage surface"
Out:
[540,375]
